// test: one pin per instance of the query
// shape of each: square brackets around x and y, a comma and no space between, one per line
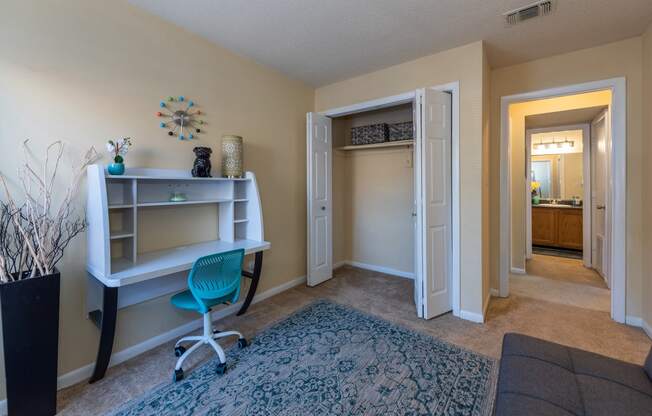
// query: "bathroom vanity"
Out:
[557,226]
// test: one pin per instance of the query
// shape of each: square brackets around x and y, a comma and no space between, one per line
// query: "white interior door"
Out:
[434,142]
[320,244]
[599,189]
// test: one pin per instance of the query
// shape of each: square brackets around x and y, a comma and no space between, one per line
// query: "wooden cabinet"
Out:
[557,227]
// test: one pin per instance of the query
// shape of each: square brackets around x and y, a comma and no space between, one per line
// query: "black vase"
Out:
[30,328]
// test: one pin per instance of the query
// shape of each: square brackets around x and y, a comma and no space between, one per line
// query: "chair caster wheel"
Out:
[178,375]
[178,351]
[221,368]
[242,343]
[216,331]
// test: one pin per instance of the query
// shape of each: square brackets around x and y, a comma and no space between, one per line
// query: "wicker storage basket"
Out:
[375,133]
[401,131]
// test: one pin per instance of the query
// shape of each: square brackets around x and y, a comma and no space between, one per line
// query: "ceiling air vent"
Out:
[540,8]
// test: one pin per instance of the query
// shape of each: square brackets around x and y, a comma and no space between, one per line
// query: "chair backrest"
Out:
[216,275]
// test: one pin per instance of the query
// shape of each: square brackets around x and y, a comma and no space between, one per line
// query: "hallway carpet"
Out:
[564,281]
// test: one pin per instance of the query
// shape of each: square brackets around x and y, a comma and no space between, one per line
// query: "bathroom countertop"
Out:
[557,206]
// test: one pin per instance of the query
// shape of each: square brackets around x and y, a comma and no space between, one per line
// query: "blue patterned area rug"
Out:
[329,359]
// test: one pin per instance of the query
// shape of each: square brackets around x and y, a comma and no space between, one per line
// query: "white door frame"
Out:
[618,198]
[454,89]
[586,187]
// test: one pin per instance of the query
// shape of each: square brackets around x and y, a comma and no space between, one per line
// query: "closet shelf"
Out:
[241,221]
[378,145]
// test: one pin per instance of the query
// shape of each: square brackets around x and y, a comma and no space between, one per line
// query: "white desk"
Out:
[147,275]
[165,262]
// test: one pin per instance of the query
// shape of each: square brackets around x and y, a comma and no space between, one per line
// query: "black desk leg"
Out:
[255,277]
[109,313]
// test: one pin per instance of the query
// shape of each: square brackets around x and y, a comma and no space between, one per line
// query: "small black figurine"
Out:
[202,166]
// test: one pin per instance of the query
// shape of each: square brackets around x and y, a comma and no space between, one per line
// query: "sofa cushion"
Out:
[598,366]
[541,377]
[547,382]
[524,346]
[605,397]
[648,364]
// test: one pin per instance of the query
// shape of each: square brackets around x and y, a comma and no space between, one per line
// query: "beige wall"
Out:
[619,59]
[373,196]
[486,176]
[86,72]
[646,173]
[463,64]
[376,199]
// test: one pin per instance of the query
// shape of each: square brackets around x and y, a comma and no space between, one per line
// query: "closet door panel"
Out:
[436,136]
[319,140]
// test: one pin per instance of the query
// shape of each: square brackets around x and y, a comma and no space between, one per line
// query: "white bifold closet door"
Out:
[434,210]
[320,241]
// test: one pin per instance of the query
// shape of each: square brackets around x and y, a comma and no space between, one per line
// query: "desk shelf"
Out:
[116,203]
[187,202]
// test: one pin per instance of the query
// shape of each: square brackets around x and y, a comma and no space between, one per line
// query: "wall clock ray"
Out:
[180,117]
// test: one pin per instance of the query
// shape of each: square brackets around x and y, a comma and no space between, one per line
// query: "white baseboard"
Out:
[647,328]
[517,270]
[639,322]
[472,316]
[339,264]
[374,268]
[634,320]
[82,373]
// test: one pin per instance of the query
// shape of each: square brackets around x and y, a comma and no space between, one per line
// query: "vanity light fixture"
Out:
[554,144]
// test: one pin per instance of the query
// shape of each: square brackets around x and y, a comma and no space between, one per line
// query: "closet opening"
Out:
[374,214]
[381,176]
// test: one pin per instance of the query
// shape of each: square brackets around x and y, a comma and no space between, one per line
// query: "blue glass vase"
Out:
[116,168]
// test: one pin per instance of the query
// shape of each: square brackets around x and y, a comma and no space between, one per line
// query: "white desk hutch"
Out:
[113,261]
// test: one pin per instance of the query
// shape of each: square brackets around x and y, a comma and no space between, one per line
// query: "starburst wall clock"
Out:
[180,118]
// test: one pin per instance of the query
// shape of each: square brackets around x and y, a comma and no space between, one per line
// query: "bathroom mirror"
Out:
[557,164]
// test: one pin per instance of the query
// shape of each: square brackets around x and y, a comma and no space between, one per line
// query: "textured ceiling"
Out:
[563,118]
[323,41]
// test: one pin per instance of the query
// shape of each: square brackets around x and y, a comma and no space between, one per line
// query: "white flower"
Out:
[110,147]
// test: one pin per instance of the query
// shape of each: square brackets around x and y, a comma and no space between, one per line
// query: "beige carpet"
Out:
[562,280]
[387,297]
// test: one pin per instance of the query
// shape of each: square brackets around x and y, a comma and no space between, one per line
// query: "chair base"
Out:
[208,337]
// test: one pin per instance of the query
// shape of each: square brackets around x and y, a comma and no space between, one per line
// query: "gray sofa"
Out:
[543,378]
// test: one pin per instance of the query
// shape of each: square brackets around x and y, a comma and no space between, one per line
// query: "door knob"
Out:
[600,207]
[323,208]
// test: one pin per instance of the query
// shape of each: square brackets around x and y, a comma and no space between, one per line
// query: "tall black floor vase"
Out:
[30,328]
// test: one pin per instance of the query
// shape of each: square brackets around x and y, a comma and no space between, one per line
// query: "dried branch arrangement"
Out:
[34,229]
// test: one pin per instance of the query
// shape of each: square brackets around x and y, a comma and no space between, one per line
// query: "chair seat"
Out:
[185,300]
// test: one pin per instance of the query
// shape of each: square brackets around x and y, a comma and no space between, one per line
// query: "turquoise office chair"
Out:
[213,280]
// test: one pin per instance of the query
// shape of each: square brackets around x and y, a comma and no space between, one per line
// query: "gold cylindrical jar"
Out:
[232,156]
